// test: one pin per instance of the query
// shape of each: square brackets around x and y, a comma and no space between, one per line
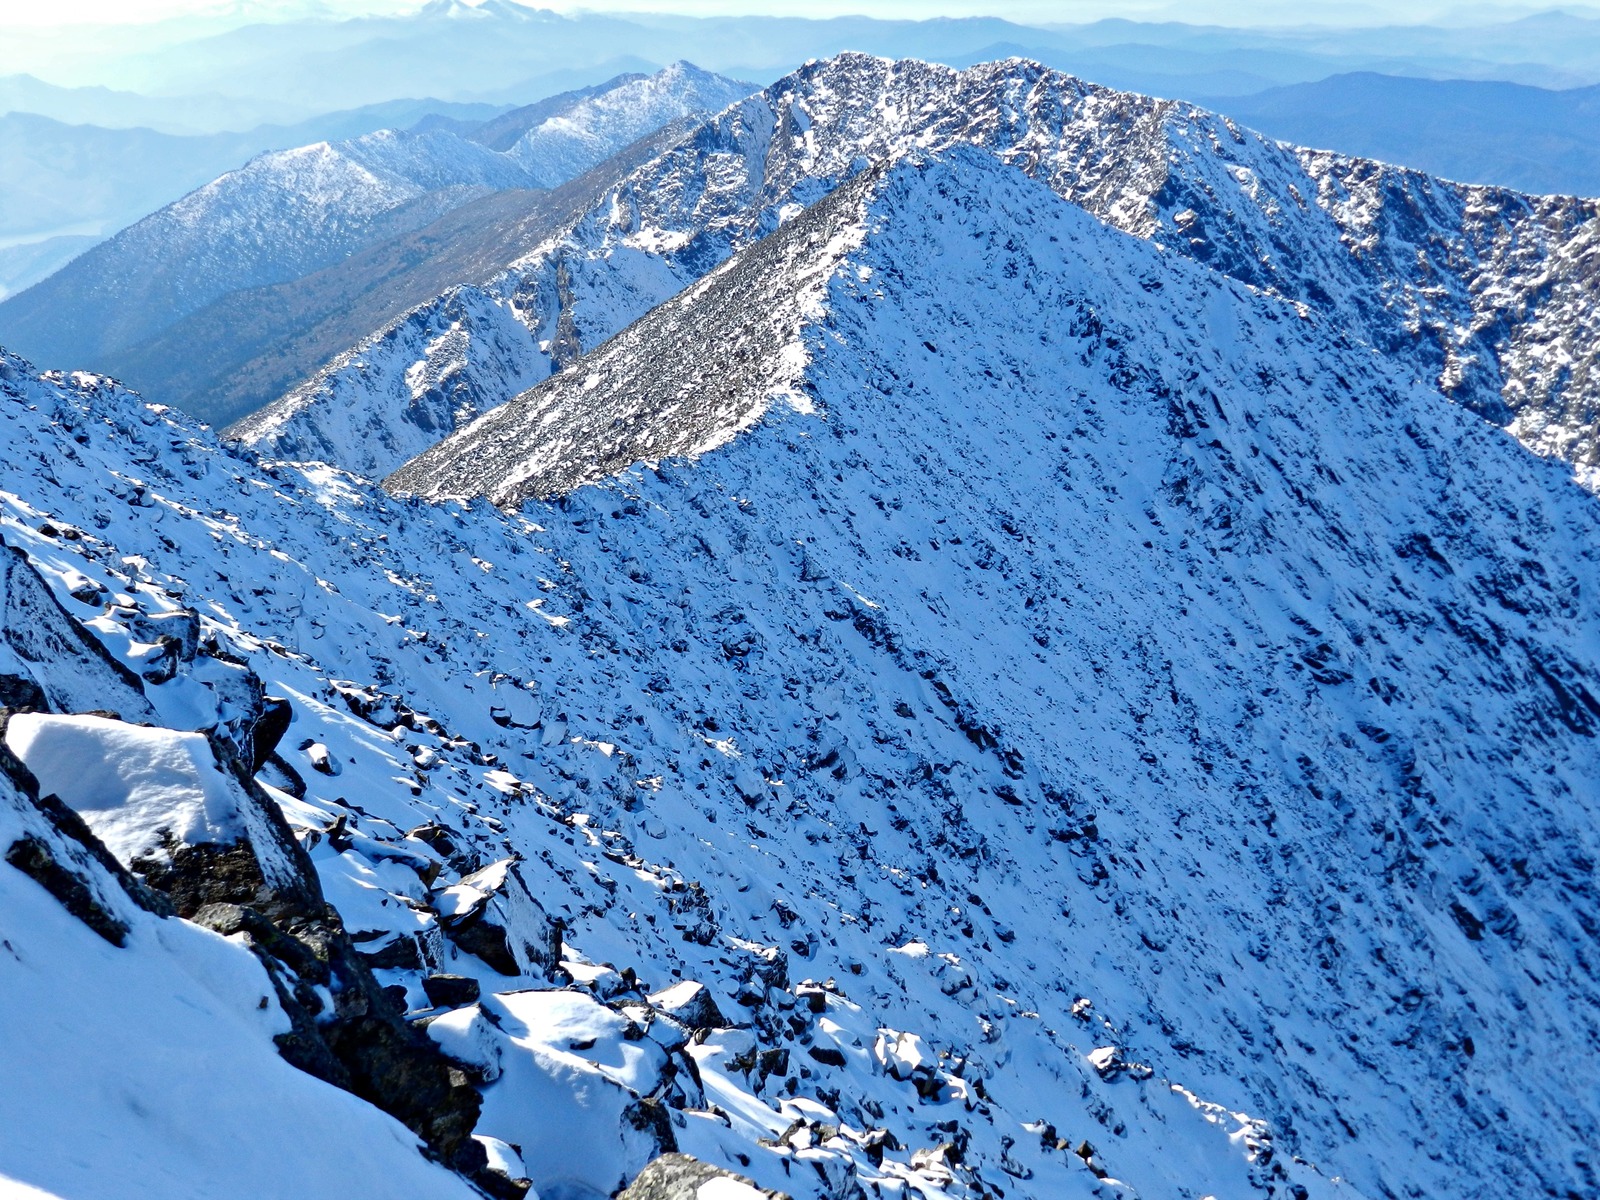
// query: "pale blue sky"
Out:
[1232,12]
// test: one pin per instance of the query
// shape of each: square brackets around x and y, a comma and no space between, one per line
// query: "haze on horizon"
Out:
[61,14]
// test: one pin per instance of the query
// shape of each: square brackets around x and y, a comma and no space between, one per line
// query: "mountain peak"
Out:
[1321,230]
[456,10]
[943,385]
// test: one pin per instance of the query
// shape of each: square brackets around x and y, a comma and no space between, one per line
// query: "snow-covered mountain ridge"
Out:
[1146,752]
[1487,294]
[567,144]
[289,213]
[281,215]
[1177,407]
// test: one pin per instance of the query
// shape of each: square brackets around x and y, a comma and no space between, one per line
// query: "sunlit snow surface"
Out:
[148,1070]
[1145,704]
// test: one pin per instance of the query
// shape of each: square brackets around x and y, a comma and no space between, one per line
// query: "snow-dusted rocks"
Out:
[1054,495]
[680,1177]
[1091,725]
[638,398]
[690,1003]
[144,792]
[492,913]
[569,1081]
[139,1056]
[923,901]
[473,357]
[46,658]
[180,813]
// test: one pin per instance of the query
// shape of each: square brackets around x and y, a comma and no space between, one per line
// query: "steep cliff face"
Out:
[1497,288]
[1484,293]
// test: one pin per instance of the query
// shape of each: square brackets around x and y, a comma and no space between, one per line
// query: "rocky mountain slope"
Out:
[1156,487]
[1074,724]
[1483,292]
[289,214]
[164,1029]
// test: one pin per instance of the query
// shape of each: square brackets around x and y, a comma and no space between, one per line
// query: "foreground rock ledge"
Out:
[681,1177]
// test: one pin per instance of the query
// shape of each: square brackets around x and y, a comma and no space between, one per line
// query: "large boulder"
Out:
[492,913]
[691,1003]
[680,1177]
[43,646]
[157,1039]
[571,1081]
[170,807]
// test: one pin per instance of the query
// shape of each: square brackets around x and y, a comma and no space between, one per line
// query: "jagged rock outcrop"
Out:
[571,1081]
[47,660]
[98,981]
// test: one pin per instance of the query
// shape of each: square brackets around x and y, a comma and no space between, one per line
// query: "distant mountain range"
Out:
[1317,87]
[66,186]
[1477,132]
[114,108]
[290,214]
[496,49]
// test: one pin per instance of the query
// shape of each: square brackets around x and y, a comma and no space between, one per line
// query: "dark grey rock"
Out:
[492,913]
[451,991]
[182,626]
[691,1003]
[42,642]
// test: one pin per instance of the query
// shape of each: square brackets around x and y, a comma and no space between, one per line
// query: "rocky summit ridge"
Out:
[1483,292]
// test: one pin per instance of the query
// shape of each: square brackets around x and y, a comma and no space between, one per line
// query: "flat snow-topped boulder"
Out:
[572,1082]
[144,792]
